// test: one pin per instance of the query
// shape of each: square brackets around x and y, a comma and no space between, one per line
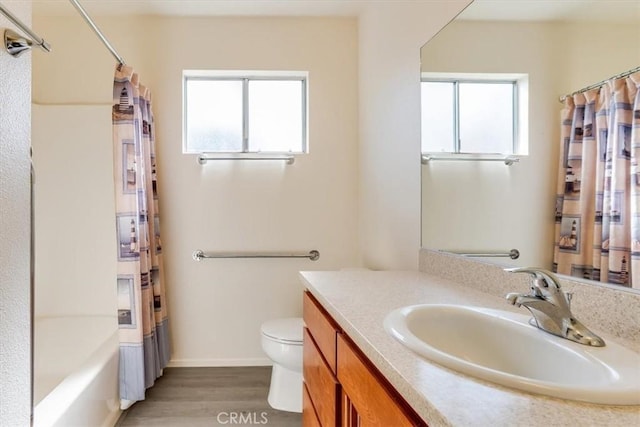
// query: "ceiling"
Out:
[554,10]
[211,7]
[524,10]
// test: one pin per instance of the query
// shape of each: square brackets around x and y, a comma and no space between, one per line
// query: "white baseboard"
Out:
[200,363]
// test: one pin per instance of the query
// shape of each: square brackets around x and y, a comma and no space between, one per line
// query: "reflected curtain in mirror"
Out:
[142,313]
[597,232]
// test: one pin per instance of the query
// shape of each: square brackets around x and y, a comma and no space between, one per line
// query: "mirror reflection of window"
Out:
[477,116]
[438,130]
[487,113]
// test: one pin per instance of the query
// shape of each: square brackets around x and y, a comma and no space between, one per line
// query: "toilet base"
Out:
[285,392]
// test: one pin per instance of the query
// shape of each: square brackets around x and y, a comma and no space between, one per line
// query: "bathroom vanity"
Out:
[354,370]
[341,386]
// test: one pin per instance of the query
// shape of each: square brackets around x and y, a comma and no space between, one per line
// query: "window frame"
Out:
[245,77]
[519,83]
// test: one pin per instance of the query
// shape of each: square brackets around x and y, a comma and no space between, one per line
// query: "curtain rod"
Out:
[35,39]
[599,84]
[96,30]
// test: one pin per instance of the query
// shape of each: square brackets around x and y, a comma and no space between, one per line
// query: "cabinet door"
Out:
[322,328]
[322,386]
[309,416]
[369,401]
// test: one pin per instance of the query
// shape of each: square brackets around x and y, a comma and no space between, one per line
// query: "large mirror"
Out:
[562,47]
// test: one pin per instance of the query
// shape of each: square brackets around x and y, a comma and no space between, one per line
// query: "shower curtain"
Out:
[597,233]
[142,314]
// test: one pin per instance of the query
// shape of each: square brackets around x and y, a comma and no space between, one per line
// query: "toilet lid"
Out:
[287,330]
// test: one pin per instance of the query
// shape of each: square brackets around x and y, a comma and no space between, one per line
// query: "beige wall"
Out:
[15,121]
[74,211]
[488,206]
[216,306]
[390,37]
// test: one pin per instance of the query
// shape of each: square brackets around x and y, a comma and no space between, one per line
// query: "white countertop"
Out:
[359,302]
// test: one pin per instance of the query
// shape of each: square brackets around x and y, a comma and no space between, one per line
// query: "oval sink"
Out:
[501,347]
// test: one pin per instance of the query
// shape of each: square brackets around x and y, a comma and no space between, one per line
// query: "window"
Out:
[473,115]
[235,112]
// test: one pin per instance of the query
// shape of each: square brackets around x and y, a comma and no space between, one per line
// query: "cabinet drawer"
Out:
[322,386]
[374,404]
[322,328]
[309,416]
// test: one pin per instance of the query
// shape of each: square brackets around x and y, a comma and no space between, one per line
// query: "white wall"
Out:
[216,306]
[74,222]
[390,37]
[15,121]
[488,206]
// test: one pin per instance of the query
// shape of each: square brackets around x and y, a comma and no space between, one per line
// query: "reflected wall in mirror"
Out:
[562,47]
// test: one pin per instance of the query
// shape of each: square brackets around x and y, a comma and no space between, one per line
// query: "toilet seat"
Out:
[284,331]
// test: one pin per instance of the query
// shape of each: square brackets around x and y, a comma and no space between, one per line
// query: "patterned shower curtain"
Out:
[142,314]
[597,233]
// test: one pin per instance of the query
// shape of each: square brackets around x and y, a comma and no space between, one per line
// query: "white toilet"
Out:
[282,342]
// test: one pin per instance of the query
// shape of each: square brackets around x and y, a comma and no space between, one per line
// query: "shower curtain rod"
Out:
[35,39]
[597,85]
[96,30]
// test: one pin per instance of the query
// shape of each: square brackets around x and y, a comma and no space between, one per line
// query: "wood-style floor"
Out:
[195,397]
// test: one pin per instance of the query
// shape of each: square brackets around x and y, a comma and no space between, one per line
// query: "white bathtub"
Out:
[76,371]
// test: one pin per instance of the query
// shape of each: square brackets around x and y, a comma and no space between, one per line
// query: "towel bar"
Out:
[200,255]
[513,254]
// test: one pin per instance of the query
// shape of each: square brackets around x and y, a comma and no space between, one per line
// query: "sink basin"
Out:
[501,347]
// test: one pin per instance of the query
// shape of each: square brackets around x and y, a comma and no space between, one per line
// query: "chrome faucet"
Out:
[550,307]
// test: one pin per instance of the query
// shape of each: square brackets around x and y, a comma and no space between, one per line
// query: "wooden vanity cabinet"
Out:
[341,386]
[367,398]
[309,416]
[319,365]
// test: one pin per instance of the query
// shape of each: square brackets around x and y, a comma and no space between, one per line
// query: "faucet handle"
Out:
[513,297]
[541,278]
